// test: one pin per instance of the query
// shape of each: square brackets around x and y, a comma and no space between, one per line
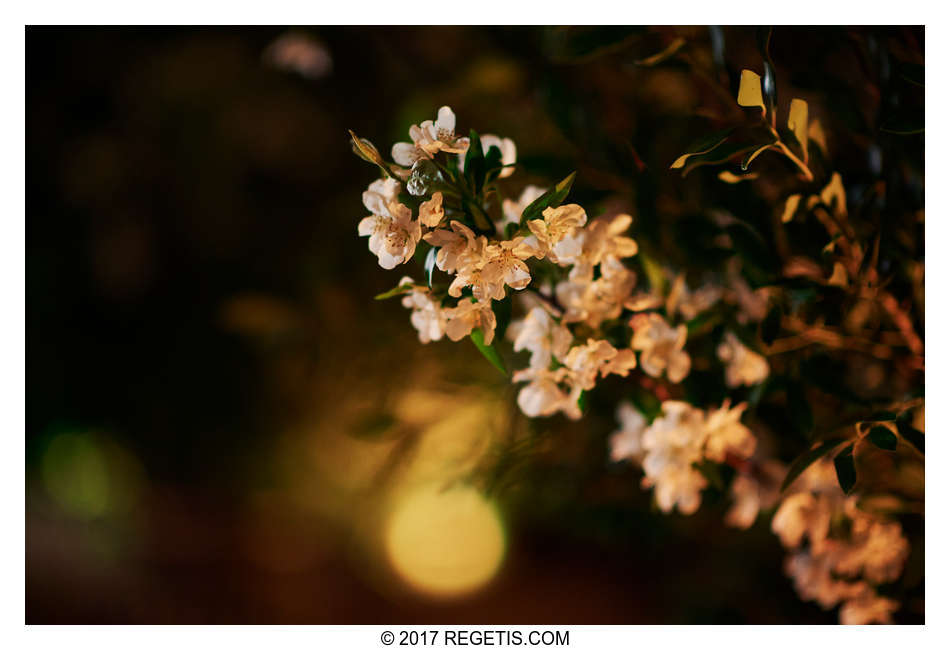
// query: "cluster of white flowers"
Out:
[839,553]
[670,448]
[568,351]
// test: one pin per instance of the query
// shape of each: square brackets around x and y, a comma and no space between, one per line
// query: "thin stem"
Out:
[802,166]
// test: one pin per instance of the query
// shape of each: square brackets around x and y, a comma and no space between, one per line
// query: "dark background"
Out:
[199,307]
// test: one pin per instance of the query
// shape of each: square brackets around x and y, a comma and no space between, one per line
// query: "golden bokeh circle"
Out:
[445,542]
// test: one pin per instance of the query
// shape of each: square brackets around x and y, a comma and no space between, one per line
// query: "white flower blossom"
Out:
[431,211]
[627,441]
[839,564]
[468,315]
[660,346]
[509,153]
[548,392]
[544,337]
[814,581]
[392,232]
[427,316]
[470,273]
[429,138]
[802,515]
[603,239]
[754,493]
[559,234]
[505,266]
[597,357]
[743,366]
[673,443]
[455,245]
[594,301]
[691,303]
[727,435]
[868,608]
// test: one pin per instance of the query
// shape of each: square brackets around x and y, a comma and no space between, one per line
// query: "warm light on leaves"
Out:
[750,91]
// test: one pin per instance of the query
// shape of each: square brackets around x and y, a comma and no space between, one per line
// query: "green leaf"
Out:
[883,437]
[430,264]
[395,291]
[488,351]
[583,401]
[482,223]
[804,461]
[550,199]
[844,468]
[493,164]
[502,310]
[565,185]
[475,162]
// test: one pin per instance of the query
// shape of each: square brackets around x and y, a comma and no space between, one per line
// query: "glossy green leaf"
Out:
[488,351]
[475,162]
[550,199]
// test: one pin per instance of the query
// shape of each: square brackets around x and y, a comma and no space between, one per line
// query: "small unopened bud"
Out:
[366,150]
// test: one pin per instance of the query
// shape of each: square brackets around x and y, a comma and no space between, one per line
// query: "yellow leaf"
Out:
[750,90]
[798,124]
[816,133]
[727,176]
[791,205]
[839,277]
[833,194]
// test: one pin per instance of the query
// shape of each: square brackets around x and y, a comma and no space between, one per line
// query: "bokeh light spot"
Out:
[445,543]
[74,474]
